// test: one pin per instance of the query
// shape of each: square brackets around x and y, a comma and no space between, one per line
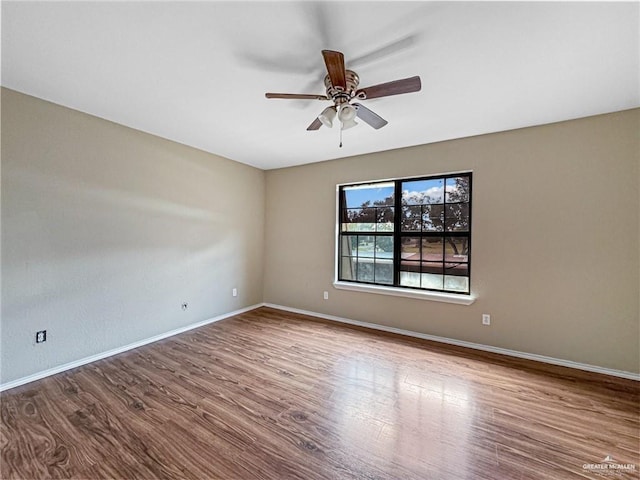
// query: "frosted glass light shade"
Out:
[327,116]
[347,113]
[346,124]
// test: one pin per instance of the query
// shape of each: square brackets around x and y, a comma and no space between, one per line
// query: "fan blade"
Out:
[372,118]
[397,87]
[315,125]
[298,96]
[335,67]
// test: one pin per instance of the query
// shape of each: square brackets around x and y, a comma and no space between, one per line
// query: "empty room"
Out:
[320,240]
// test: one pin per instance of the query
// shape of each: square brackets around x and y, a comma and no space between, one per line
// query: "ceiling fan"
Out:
[342,90]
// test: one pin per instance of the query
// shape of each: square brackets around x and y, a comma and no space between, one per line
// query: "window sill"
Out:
[401,292]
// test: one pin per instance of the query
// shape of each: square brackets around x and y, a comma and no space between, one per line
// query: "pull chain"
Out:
[340,135]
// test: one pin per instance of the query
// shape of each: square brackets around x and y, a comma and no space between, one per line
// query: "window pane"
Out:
[366,246]
[433,267]
[410,248]
[433,218]
[458,189]
[347,268]
[456,249]
[420,192]
[411,218]
[432,248]
[369,195]
[434,282]
[410,279]
[432,256]
[348,245]
[407,266]
[359,220]
[456,269]
[457,217]
[384,247]
[364,271]
[384,271]
[457,284]
[384,219]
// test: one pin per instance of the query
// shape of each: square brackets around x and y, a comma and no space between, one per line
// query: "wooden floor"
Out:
[276,395]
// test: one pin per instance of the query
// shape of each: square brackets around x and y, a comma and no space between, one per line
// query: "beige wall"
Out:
[555,240]
[107,230]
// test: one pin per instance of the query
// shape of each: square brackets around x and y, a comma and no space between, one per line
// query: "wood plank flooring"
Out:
[274,395]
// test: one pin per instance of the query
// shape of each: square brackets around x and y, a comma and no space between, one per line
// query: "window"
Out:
[412,233]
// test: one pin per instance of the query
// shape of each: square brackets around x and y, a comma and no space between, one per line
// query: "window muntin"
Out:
[411,233]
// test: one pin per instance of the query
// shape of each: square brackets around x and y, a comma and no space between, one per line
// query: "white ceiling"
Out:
[197,72]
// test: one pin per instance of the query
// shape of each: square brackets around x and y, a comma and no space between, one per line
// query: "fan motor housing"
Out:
[336,93]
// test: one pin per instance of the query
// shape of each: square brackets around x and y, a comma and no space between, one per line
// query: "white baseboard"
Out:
[424,336]
[461,343]
[115,351]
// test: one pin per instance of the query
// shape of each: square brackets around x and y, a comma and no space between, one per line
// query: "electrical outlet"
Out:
[41,336]
[185,305]
[325,295]
[234,292]
[486,319]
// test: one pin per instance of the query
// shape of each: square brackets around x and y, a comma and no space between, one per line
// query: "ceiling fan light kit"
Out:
[347,116]
[347,124]
[327,116]
[347,113]
[342,88]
